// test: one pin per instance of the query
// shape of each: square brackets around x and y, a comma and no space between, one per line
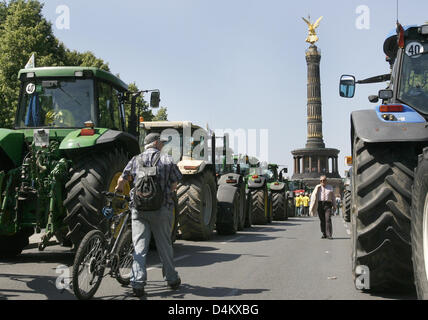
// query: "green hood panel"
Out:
[11,143]
[75,141]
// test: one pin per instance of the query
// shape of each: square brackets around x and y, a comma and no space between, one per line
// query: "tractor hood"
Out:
[75,139]
[188,167]
[277,186]
[11,146]
[103,138]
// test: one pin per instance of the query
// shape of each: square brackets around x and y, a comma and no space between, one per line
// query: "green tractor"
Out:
[278,192]
[71,142]
[259,196]
[245,166]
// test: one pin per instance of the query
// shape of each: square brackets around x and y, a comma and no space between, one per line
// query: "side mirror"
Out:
[347,86]
[155,100]
[386,94]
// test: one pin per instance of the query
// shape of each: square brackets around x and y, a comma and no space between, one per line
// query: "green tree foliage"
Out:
[86,59]
[141,104]
[24,31]
[162,115]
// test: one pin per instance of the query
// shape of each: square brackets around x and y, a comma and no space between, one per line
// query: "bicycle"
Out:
[97,252]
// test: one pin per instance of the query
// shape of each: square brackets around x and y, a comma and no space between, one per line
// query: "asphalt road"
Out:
[282,261]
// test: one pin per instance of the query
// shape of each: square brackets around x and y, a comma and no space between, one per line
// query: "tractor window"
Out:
[56,104]
[414,82]
[108,104]
[269,175]
[245,169]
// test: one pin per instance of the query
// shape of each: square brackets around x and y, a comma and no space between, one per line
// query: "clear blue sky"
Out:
[240,63]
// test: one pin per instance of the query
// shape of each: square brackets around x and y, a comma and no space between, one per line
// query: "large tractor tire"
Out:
[260,206]
[228,206]
[270,208]
[242,208]
[174,228]
[279,206]
[347,206]
[419,229]
[197,206]
[90,175]
[383,177]
[248,211]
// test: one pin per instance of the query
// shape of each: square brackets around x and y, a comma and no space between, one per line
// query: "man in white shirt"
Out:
[323,202]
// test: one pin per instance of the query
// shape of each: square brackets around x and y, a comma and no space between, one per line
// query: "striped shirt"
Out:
[167,173]
[326,194]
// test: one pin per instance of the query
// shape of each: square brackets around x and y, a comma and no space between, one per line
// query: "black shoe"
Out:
[138,293]
[175,285]
[324,237]
[330,238]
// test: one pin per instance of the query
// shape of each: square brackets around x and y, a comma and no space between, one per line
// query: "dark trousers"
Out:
[324,213]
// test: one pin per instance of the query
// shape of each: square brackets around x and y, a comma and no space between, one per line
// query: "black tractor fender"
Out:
[258,183]
[123,139]
[366,125]
[225,201]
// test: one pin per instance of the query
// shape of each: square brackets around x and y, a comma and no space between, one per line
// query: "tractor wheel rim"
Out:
[207,205]
[425,235]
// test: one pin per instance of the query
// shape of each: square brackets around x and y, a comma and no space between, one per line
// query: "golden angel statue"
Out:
[312,37]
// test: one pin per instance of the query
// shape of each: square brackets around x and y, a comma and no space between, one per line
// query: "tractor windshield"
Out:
[414,81]
[65,103]
[269,175]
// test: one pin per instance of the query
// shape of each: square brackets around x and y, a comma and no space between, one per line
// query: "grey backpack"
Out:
[147,191]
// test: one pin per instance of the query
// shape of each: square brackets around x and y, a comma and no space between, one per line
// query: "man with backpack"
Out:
[155,178]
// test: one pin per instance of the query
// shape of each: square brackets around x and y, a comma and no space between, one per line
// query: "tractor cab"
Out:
[68,97]
[406,50]
[73,97]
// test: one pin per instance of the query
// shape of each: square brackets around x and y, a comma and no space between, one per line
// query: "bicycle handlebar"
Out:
[116,195]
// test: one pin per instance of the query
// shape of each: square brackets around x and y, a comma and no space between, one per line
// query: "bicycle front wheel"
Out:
[89,265]
[125,252]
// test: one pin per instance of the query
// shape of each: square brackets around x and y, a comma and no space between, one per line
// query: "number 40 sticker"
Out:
[414,49]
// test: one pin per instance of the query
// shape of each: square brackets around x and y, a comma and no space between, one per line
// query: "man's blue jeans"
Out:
[143,225]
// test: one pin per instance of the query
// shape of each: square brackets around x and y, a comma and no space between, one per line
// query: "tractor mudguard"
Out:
[225,197]
[124,138]
[368,126]
[231,179]
[11,147]
[260,182]
[102,137]
[274,187]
